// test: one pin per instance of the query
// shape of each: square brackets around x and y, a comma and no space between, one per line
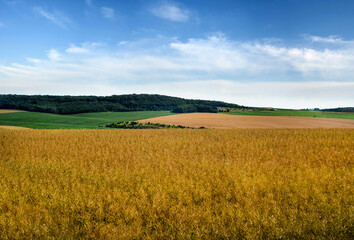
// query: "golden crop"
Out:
[176,184]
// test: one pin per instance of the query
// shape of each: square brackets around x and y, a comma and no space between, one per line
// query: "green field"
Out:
[75,121]
[297,113]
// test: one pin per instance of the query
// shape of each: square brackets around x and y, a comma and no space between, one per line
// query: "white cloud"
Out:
[170,11]
[54,55]
[329,39]
[212,53]
[75,49]
[107,12]
[55,17]
[122,43]
[248,73]
[217,54]
[307,60]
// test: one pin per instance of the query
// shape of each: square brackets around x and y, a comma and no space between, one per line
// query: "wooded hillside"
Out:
[114,103]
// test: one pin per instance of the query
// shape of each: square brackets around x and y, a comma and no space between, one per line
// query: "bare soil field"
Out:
[214,120]
[9,111]
[12,127]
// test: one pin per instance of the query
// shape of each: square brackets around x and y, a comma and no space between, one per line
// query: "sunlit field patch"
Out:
[177,184]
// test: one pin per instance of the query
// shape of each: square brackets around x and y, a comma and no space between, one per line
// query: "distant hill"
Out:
[342,109]
[114,103]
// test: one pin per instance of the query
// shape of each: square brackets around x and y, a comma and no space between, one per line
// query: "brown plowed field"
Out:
[214,120]
[9,111]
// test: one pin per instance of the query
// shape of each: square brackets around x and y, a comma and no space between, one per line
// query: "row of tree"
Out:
[115,103]
[188,108]
[138,125]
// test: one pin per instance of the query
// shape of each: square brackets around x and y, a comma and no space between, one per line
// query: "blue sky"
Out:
[279,53]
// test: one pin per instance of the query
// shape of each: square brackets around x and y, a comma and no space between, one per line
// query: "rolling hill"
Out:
[115,103]
[91,112]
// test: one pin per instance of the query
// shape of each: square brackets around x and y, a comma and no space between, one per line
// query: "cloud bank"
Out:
[258,73]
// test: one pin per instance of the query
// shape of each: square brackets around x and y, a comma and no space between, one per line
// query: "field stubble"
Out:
[184,184]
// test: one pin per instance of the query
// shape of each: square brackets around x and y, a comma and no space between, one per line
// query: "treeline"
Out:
[343,109]
[189,108]
[114,103]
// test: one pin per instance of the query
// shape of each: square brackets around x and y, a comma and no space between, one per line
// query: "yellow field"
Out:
[177,184]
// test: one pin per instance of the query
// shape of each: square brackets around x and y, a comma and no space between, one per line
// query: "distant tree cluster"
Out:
[343,109]
[311,109]
[138,125]
[223,110]
[115,103]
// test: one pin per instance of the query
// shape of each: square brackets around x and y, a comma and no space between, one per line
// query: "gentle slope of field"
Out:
[214,120]
[84,120]
[177,184]
[297,113]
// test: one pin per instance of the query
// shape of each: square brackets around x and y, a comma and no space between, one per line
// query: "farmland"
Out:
[94,120]
[181,184]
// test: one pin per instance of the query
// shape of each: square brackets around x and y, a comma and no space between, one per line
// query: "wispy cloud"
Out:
[329,39]
[1,24]
[34,60]
[249,73]
[56,17]
[13,2]
[76,49]
[85,47]
[107,12]
[89,3]
[171,11]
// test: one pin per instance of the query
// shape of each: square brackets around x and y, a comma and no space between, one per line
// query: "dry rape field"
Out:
[177,184]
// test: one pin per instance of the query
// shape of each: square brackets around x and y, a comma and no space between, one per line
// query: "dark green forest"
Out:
[114,103]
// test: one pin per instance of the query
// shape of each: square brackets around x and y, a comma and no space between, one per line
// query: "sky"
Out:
[273,53]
